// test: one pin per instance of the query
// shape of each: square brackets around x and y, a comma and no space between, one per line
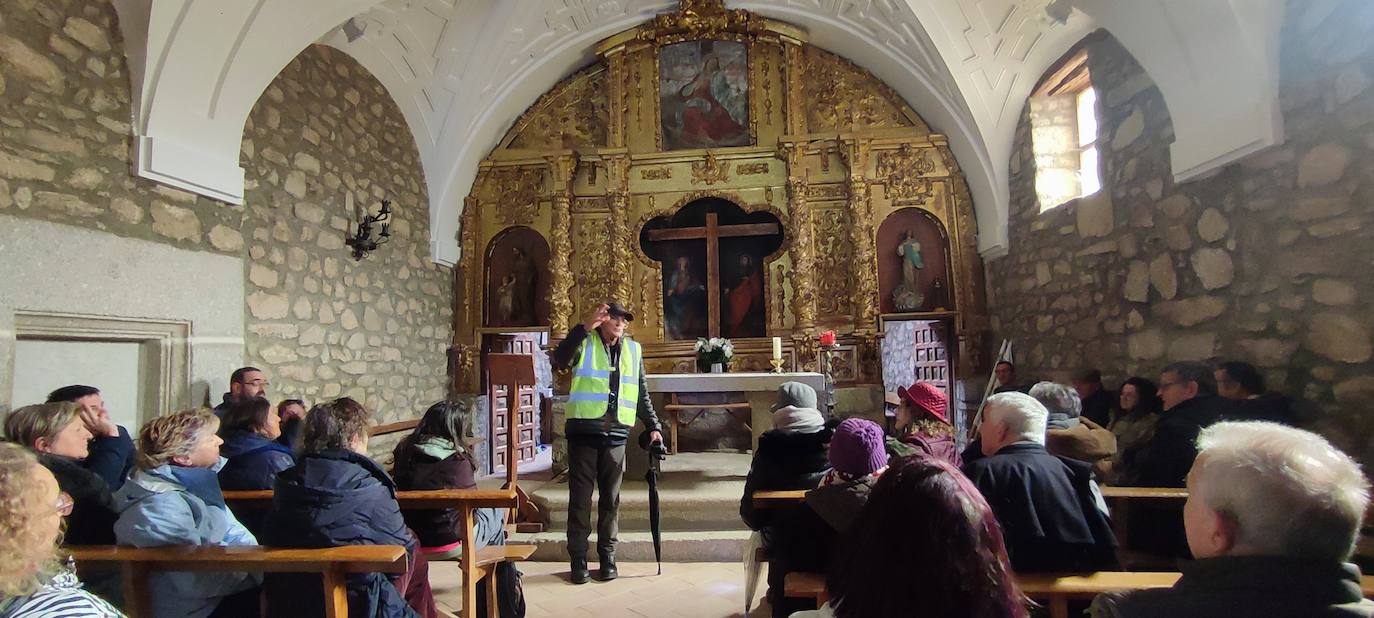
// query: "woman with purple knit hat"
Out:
[806,542]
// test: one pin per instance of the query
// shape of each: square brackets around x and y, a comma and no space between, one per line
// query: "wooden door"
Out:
[526,410]
[931,354]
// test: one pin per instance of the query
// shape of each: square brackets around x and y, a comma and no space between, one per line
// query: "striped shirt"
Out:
[62,597]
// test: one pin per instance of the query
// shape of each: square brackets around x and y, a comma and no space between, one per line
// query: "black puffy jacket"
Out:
[93,515]
[331,499]
[783,461]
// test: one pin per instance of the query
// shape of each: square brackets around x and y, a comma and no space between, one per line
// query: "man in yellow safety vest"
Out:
[608,392]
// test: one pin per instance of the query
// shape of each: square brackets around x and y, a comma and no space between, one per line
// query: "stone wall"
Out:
[1267,260]
[325,139]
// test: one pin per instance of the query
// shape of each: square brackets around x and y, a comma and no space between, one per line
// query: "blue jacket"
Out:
[331,499]
[254,462]
[157,509]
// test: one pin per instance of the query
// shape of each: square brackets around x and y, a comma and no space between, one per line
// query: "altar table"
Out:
[761,389]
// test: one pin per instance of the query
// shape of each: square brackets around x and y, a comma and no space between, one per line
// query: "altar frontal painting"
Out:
[703,90]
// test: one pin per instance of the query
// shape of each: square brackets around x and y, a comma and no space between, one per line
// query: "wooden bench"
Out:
[1053,589]
[674,410]
[774,499]
[333,564]
[1121,500]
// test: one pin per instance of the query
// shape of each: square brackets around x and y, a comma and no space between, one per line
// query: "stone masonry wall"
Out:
[1268,260]
[318,322]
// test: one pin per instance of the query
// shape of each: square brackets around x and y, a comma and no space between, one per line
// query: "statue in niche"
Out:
[517,279]
[908,296]
[684,307]
[505,299]
[523,280]
[744,300]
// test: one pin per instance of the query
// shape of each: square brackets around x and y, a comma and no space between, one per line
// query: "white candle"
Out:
[777,348]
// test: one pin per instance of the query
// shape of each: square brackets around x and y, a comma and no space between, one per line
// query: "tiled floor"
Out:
[695,589]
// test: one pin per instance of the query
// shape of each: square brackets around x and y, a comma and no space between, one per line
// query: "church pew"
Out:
[1054,589]
[474,565]
[1121,501]
[333,564]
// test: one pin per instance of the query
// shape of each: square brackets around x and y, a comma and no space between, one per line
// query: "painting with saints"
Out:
[703,90]
[713,247]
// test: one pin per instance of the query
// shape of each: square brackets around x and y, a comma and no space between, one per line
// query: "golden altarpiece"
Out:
[703,103]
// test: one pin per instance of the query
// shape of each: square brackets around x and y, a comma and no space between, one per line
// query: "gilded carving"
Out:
[751,169]
[517,194]
[834,263]
[779,284]
[594,280]
[826,192]
[618,199]
[467,242]
[710,171]
[574,113]
[803,257]
[698,19]
[864,265]
[902,171]
[560,305]
[656,173]
[842,96]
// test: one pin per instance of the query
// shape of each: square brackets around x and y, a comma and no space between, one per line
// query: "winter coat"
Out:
[254,462]
[806,540]
[330,499]
[1165,461]
[93,512]
[1085,441]
[111,458]
[783,461]
[1272,407]
[939,446]
[157,509]
[418,467]
[1048,510]
[1098,406]
[1133,431]
[1270,586]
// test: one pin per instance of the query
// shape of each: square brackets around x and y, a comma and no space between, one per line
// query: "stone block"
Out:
[1175,205]
[265,306]
[20,168]
[1323,165]
[277,354]
[1212,225]
[87,33]
[1191,311]
[1194,347]
[312,335]
[31,65]
[1145,345]
[1317,207]
[1129,130]
[1338,337]
[1163,277]
[1094,214]
[263,276]
[68,204]
[1333,292]
[1268,352]
[225,238]
[175,222]
[1213,267]
[1355,391]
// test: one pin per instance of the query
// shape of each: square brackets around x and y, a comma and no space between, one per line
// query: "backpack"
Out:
[510,592]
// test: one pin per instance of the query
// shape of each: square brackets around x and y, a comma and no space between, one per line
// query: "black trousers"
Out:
[593,464]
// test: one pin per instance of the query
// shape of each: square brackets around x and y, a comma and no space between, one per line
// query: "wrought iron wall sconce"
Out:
[362,241]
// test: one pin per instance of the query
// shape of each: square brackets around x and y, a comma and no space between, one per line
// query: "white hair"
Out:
[1058,398]
[1024,416]
[1289,491]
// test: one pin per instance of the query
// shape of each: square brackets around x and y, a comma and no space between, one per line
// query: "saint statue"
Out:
[908,295]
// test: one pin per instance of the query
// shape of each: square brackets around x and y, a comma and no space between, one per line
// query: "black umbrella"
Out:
[656,454]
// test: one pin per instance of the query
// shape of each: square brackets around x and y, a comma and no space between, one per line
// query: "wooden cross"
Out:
[712,234]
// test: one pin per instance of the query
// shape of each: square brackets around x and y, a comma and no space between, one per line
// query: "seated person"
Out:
[173,498]
[1133,424]
[791,455]
[112,450]
[807,541]
[1068,433]
[1244,384]
[1272,517]
[254,456]
[1097,400]
[1188,395]
[922,424]
[58,434]
[33,580]
[335,496]
[436,456]
[291,412]
[1050,509]
[927,532]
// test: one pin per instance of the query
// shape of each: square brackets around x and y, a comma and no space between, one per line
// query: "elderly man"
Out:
[1070,434]
[1272,517]
[1051,512]
[1189,393]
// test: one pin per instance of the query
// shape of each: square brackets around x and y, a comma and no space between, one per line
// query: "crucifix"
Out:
[712,232]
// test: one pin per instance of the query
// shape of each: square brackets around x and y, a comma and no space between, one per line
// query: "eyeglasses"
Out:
[259,383]
[65,504]
[1164,385]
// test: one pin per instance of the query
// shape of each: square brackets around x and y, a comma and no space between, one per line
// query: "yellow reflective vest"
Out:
[589,397]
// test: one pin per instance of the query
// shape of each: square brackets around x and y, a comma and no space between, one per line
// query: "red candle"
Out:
[828,337]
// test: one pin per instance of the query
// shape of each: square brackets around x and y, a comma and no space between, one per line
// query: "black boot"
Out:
[608,571]
[580,574]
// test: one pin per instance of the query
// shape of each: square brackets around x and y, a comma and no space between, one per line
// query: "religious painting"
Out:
[517,279]
[713,255]
[913,263]
[703,90]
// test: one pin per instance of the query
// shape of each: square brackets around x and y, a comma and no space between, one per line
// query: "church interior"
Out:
[385,200]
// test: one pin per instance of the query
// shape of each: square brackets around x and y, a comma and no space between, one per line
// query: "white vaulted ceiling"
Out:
[462,71]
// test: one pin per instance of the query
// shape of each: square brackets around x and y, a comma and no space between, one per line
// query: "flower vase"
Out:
[717,368]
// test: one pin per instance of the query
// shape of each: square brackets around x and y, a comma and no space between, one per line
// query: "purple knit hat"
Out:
[857,447]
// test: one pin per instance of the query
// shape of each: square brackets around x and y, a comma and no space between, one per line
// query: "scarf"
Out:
[791,419]
[438,448]
[202,483]
[1060,420]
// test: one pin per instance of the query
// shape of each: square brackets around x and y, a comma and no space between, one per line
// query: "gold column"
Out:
[796,107]
[562,167]
[617,75]
[865,279]
[618,199]
[467,292]
[803,243]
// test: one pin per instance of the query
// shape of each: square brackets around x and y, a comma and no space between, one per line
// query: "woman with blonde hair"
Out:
[58,435]
[32,580]
[173,498]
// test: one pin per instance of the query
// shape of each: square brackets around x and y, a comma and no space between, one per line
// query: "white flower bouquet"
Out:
[712,351]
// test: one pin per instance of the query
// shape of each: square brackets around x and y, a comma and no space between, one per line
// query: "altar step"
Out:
[699,496]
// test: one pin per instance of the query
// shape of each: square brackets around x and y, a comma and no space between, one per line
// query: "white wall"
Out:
[59,268]
[115,367]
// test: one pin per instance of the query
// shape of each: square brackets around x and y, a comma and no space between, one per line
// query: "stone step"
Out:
[699,546]
[681,509]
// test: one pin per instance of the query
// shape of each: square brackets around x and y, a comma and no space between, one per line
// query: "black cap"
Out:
[617,311]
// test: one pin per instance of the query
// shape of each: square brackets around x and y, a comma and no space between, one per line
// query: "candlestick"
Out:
[777,348]
[777,365]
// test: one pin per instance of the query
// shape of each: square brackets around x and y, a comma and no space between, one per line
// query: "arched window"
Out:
[1063,114]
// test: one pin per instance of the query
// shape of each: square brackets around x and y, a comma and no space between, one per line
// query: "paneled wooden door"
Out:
[931,355]
[526,407]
